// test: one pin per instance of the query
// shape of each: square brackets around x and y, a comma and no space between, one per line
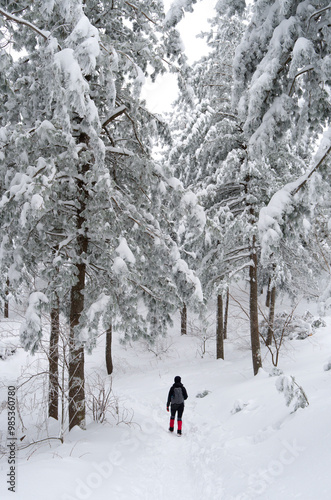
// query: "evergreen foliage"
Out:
[80,187]
[91,221]
[82,214]
[247,133]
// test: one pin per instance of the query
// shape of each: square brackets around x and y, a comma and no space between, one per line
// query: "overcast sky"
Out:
[160,95]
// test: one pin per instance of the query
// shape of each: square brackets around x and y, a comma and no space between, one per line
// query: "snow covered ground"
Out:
[240,441]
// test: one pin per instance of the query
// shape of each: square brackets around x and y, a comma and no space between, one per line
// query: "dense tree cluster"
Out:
[92,226]
[83,206]
[245,146]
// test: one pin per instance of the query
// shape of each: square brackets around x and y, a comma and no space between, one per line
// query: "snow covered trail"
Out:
[240,441]
[169,465]
[198,464]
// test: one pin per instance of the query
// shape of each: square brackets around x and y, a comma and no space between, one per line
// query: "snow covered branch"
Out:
[117,112]
[31,329]
[10,17]
[119,151]
[272,217]
[301,72]
[318,13]
[176,12]
[321,155]
[142,12]
[135,131]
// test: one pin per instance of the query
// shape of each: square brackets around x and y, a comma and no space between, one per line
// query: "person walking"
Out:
[176,397]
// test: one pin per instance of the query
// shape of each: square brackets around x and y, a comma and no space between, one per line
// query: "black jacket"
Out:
[171,394]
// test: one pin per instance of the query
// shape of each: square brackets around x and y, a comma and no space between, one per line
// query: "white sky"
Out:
[163,92]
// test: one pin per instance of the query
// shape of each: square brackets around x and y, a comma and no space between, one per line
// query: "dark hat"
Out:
[177,379]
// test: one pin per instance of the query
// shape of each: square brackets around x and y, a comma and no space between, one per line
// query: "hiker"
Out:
[176,398]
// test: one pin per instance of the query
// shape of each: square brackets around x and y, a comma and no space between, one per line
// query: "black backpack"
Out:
[178,397]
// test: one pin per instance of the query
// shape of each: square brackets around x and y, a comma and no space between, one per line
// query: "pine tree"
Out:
[206,130]
[82,203]
[277,65]
[283,102]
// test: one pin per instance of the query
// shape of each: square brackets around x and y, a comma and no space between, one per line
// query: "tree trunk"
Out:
[267,300]
[253,309]
[109,360]
[226,314]
[76,355]
[6,306]
[76,350]
[183,323]
[219,331]
[53,389]
[272,302]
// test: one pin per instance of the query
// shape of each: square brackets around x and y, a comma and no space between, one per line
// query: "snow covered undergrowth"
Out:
[240,441]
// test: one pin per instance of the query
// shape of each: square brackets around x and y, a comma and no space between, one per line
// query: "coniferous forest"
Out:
[136,246]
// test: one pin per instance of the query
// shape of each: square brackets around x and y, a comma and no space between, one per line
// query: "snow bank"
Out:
[240,441]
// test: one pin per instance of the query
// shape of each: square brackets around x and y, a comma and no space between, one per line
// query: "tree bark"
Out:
[270,333]
[253,309]
[226,314]
[183,323]
[109,359]
[53,389]
[267,299]
[6,306]
[220,329]
[76,355]
[76,350]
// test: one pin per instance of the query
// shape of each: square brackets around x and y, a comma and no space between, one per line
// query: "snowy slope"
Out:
[261,452]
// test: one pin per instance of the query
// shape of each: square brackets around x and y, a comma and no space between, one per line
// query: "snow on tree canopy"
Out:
[45,130]
[119,266]
[77,88]
[273,216]
[175,183]
[85,39]
[282,56]
[89,330]
[266,73]
[190,200]
[75,82]
[76,105]
[230,7]
[271,220]
[31,330]
[303,54]
[190,277]
[35,204]
[124,251]
[176,12]
[98,307]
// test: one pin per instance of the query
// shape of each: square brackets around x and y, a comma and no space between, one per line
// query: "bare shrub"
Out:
[204,330]
[159,346]
[102,404]
[286,326]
